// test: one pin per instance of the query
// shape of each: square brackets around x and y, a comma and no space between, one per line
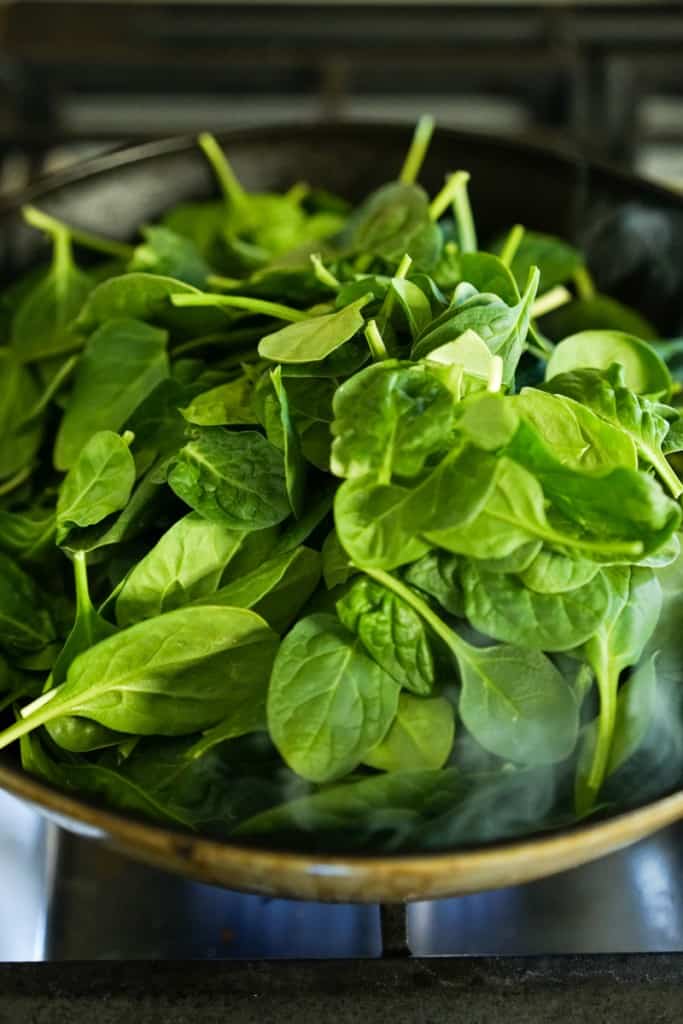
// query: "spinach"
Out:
[176,674]
[318,503]
[185,564]
[314,339]
[122,363]
[391,632]
[644,371]
[99,483]
[328,702]
[237,479]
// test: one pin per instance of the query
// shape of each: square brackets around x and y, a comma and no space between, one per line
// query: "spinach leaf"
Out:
[392,221]
[391,632]
[501,606]
[179,673]
[169,254]
[277,590]
[336,566]
[550,572]
[122,363]
[597,312]
[420,738]
[43,324]
[314,339]
[436,574]
[99,483]
[556,259]
[237,479]
[389,419]
[295,466]
[226,405]
[185,564]
[26,535]
[328,703]
[605,394]
[25,622]
[19,392]
[644,371]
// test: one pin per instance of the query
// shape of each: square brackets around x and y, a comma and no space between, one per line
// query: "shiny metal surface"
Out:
[64,897]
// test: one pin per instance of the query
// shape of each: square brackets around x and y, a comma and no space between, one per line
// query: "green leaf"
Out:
[336,566]
[420,738]
[179,673]
[556,259]
[226,405]
[25,622]
[488,273]
[43,323]
[167,253]
[636,705]
[186,564]
[517,705]
[19,393]
[644,371]
[295,466]
[389,419]
[414,303]
[598,312]
[436,574]
[277,590]
[237,479]
[315,339]
[391,632]
[639,419]
[122,363]
[389,223]
[550,572]
[328,703]
[501,606]
[98,484]
[26,535]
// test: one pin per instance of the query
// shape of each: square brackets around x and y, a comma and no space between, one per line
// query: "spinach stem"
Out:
[584,283]
[218,281]
[511,245]
[608,682]
[387,307]
[463,213]
[84,606]
[39,712]
[324,275]
[233,192]
[545,346]
[245,302]
[298,192]
[51,226]
[495,379]
[375,342]
[445,197]
[418,149]
[550,300]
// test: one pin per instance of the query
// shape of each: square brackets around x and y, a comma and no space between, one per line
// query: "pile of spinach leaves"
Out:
[325,526]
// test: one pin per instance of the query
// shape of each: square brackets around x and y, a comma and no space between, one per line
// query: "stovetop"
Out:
[68,898]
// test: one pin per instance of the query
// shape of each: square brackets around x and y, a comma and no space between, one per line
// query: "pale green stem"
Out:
[375,342]
[11,484]
[495,381]
[418,150]
[541,341]
[298,192]
[245,302]
[584,283]
[550,300]
[463,214]
[39,712]
[44,222]
[445,197]
[233,192]
[512,243]
[324,275]
[218,281]
[608,683]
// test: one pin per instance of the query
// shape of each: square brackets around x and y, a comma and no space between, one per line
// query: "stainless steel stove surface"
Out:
[65,898]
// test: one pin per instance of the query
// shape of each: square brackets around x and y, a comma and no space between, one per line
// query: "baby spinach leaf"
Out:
[555,258]
[389,419]
[414,304]
[171,255]
[314,339]
[391,632]
[501,606]
[43,324]
[295,466]
[122,363]
[644,371]
[436,574]
[328,703]
[99,483]
[636,705]
[237,479]
[550,572]
[25,622]
[148,297]
[19,392]
[277,590]
[420,738]
[226,405]
[389,223]
[185,564]
[26,535]
[605,394]
[179,673]
[336,566]
[487,273]
[599,312]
